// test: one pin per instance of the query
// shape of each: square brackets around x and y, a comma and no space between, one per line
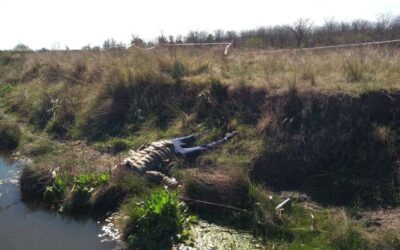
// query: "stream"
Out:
[27,226]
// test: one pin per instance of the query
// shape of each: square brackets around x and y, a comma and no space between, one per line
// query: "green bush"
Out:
[158,222]
[10,135]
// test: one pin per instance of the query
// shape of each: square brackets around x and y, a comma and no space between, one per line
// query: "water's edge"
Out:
[25,225]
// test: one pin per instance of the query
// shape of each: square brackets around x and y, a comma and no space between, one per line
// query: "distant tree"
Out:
[231,35]
[113,44]
[109,43]
[193,37]
[179,39]
[171,39]
[219,35]
[161,39]
[21,47]
[281,33]
[137,41]
[395,28]
[301,28]
[210,38]
[86,47]
[330,28]
[383,25]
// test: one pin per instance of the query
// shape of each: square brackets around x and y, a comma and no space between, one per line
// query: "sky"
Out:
[76,23]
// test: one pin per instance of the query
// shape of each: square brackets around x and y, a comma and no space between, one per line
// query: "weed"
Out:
[43,110]
[5,89]
[354,70]
[56,190]
[87,182]
[178,71]
[158,222]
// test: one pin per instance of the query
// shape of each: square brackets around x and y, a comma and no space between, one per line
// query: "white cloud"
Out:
[76,22]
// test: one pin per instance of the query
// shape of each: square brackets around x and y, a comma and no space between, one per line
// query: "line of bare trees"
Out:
[302,33]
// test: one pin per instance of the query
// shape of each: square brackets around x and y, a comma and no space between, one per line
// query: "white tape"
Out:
[327,47]
[228,45]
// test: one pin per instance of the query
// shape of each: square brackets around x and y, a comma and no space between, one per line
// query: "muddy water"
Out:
[26,226]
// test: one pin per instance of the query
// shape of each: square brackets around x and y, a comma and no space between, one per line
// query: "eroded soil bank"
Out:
[339,149]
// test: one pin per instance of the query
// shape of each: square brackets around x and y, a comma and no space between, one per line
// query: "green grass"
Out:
[322,123]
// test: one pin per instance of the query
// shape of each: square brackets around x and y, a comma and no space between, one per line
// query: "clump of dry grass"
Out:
[222,186]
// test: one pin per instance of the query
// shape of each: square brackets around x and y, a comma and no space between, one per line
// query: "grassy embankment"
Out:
[323,123]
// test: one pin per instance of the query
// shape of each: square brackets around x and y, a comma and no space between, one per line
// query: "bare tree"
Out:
[330,29]
[219,35]
[382,25]
[301,28]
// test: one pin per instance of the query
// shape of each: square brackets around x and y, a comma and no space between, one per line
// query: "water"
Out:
[25,226]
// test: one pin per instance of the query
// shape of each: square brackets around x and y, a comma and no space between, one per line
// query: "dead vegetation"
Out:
[324,123]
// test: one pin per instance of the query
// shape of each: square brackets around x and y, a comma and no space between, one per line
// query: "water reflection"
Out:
[25,225]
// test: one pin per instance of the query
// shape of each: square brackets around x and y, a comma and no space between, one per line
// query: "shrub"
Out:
[10,135]
[52,72]
[158,222]
[178,71]
[85,184]
[78,70]
[354,70]
[56,190]
[43,110]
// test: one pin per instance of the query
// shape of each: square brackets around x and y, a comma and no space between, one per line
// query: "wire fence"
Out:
[229,47]
[329,47]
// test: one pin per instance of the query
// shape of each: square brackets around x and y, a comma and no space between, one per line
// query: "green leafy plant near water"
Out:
[158,222]
[87,182]
[84,183]
[56,190]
